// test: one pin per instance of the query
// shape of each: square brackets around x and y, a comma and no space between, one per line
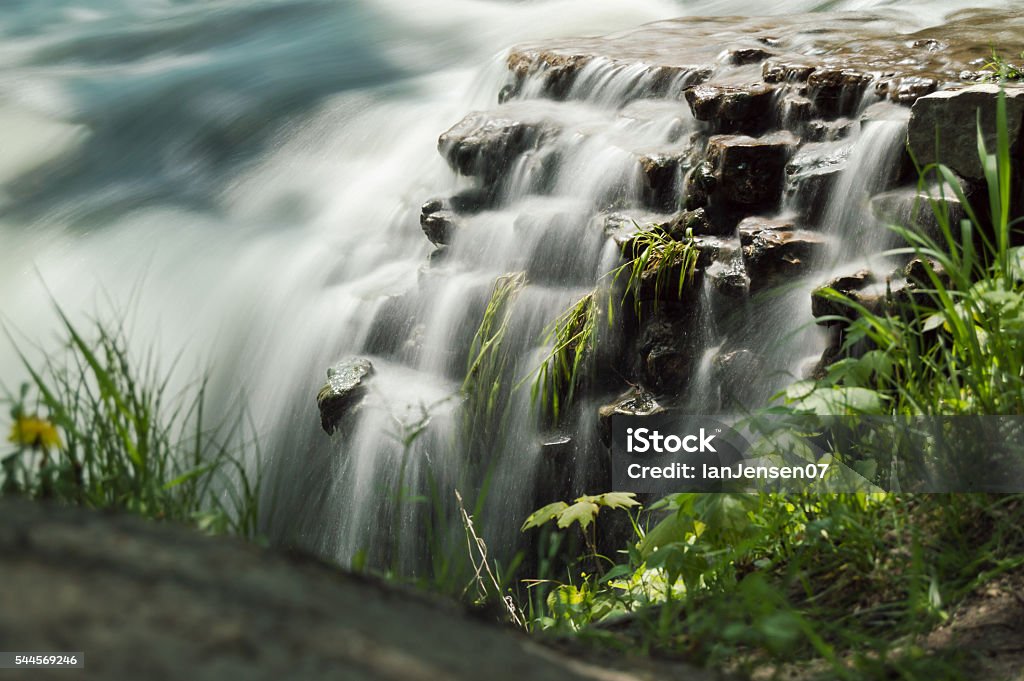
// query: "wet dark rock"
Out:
[730,108]
[811,175]
[837,91]
[907,89]
[916,273]
[345,388]
[667,352]
[698,222]
[775,251]
[732,372]
[747,55]
[557,71]
[484,144]
[796,112]
[727,273]
[787,72]
[662,174]
[850,285]
[750,171]
[827,131]
[700,183]
[439,225]
[635,402]
[442,217]
[952,117]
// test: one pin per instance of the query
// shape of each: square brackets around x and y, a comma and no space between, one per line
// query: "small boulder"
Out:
[662,176]
[837,91]
[439,225]
[750,171]
[951,118]
[730,108]
[774,250]
[345,388]
[484,144]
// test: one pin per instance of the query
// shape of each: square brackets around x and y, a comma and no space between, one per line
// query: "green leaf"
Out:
[582,512]
[838,400]
[672,530]
[613,499]
[543,515]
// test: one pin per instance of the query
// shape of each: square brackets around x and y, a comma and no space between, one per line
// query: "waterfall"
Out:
[245,180]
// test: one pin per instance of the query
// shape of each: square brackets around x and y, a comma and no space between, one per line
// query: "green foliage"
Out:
[999,70]
[583,512]
[655,259]
[572,337]
[754,581]
[96,429]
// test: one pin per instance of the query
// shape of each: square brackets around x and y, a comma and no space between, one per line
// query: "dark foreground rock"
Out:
[158,602]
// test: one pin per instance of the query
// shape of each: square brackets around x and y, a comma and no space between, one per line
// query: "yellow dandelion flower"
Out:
[32,431]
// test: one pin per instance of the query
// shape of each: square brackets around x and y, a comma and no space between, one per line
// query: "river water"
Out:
[243,179]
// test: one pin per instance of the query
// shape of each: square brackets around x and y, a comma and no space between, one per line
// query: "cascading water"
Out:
[247,176]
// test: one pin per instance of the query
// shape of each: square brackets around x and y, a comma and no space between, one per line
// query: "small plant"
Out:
[653,255]
[572,337]
[96,429]
[998,70]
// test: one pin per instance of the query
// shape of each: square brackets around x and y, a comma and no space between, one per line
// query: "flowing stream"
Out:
[243,179]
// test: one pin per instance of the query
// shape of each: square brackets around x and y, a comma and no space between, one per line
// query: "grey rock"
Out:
[951,116]
[345,388]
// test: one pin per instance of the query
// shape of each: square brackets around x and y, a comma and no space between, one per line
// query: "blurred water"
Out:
[245,176]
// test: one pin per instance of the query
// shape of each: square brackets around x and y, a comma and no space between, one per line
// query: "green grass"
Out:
[487,383]
[95,428]
[572,337]
[656,260]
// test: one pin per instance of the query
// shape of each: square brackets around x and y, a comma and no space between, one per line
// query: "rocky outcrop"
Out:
[826,309]
[484,144]
[346,386]
[943,126]
[747,167]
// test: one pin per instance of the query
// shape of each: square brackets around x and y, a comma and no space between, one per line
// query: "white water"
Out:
[246,177]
